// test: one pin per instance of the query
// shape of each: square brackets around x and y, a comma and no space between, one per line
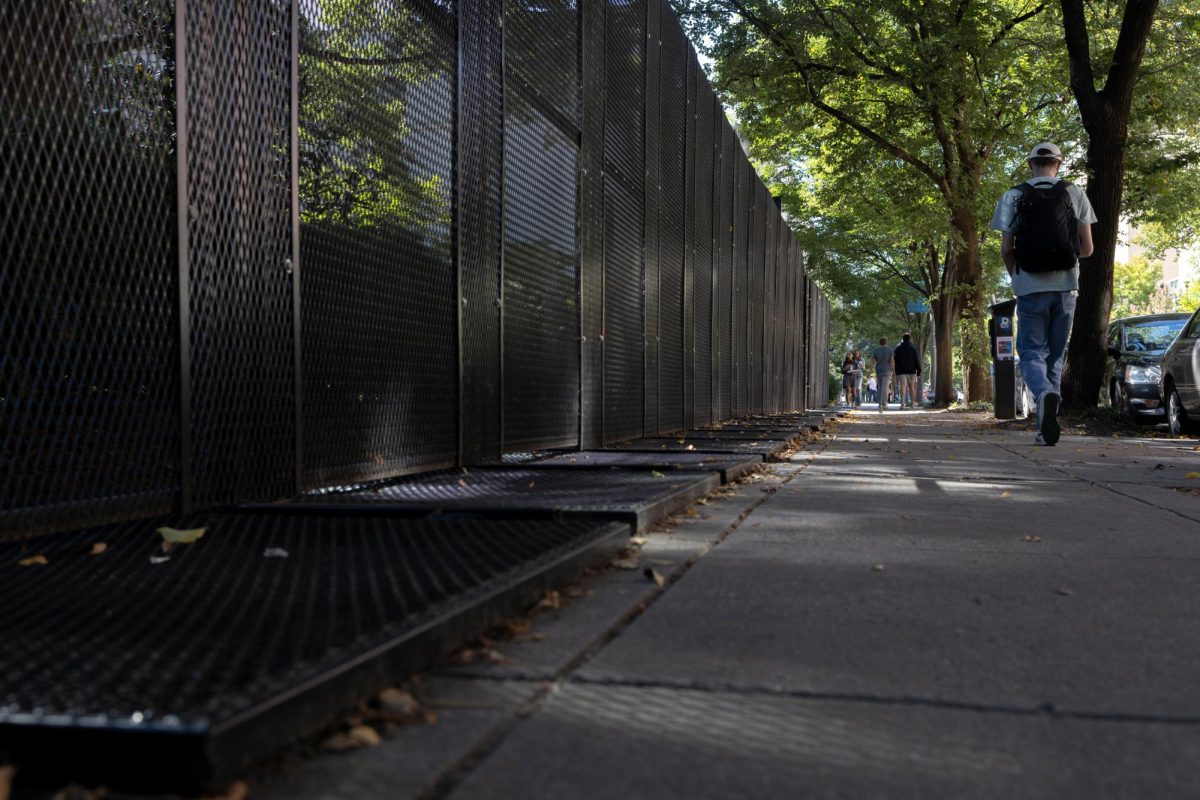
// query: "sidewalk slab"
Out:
[624,742]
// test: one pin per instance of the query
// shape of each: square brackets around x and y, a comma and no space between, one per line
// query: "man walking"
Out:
[1047,227]
[885,367]
[908,369]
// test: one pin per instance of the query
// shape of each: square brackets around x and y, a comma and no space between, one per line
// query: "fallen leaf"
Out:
[878,568]
[98,548]
[176,536]
[637,541]
[73,791]
[32,561]
[656,474]
[626,563]
[159,559]
[662,562]
[690,447]
[461,482]
[238,790]
[550,601]
[531,484]
[1192,475]
[358,736]
[655,576]
[275,552]
[1006,494]
[397,705]
[1064,592]
[1032,538]
[574,591]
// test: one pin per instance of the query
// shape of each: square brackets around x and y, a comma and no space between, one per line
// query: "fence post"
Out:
[478,210]
[591,224]
[295,182]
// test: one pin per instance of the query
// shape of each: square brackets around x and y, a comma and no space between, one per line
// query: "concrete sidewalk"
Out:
[921,605]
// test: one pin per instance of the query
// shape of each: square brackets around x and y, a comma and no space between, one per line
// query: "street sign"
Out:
[917,307]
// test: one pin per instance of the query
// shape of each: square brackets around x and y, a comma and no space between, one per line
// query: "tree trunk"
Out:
[1085,359]
[968,274]
[945,314]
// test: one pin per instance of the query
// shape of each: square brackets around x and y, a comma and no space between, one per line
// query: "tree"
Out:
[1105,114]
[1134,283]
[1189,301]
[918,94]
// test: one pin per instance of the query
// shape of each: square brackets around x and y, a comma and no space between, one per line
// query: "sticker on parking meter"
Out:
[1005,323]
[1004,348]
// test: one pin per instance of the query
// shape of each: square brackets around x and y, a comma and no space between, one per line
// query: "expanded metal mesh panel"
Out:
[723,267]
[652,239]
[239,233]
[769,301]
[755,270]
[376,114]
[689,243]
[702,261]
[781,314]
[624,219]
[624,376]
[89,421]
[541,292]
[521,489]
[220,628]
[672,219]
[743,218]
[480,169]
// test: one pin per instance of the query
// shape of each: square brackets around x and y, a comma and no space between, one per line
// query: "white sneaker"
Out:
[1038,439]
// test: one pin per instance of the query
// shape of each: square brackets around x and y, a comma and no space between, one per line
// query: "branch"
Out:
[1014,22]
[330,55]
[1131,46]
[1083,82]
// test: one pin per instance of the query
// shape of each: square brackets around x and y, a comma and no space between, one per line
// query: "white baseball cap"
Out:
[1045,150]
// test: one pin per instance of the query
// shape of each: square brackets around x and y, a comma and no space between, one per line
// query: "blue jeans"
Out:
[1043,325]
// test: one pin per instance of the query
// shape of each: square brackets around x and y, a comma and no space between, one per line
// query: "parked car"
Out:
[1181,378]
[1134,368]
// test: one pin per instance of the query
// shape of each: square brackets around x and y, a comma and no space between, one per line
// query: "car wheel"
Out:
[1177,417]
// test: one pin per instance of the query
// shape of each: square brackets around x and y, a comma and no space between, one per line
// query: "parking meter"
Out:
[1002,330]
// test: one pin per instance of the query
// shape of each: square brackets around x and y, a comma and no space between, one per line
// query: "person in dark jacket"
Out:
[908,371]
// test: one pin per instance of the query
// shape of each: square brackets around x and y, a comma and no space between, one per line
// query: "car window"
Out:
[1152,335]
[1194,327]
[1114,336]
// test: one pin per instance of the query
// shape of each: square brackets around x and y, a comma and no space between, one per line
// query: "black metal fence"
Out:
[256,247]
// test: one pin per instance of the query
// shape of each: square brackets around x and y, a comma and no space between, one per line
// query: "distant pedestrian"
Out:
[1047,226]
[885,368]
[848,367]
[860,366]
[908,371]
[872,389]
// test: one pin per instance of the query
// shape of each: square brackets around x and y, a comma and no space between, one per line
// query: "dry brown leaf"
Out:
[532,484]
[1006,494]
[1032,538]
[461,482]
[878,568]
[550,601]
[626,563]
[358,736]
[398,705]
[238,790]
[74,791]
[516,627]
[638,541]
[537,637]
[34,561]
[98,548]
[655,576]
[574,591]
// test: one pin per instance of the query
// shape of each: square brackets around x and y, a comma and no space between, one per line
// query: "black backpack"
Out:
[1047,233]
